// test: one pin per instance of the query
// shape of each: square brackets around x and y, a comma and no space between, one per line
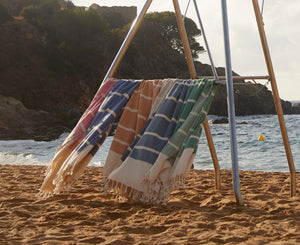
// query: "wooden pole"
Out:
[193,74]
[276,96]
[213,154]
[133,29]
[184,39]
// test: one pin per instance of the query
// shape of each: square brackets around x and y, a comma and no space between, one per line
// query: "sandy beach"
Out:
[195,214]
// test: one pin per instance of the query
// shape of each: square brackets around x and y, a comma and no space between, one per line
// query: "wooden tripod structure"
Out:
[229,83]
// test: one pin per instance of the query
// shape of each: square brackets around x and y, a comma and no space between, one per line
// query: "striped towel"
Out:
[163,155]
[142,104]
[75,136]
[134,117]
[127,179]
[164,91]
[176,158]
[111,108]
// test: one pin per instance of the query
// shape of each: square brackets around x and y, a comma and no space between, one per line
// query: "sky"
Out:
[281,22]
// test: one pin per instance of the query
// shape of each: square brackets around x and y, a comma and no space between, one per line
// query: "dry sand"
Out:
[195,214]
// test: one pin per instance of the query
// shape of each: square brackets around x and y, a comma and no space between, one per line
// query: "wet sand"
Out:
[195,214]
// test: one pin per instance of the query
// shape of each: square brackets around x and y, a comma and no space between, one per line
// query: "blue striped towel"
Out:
[146,147]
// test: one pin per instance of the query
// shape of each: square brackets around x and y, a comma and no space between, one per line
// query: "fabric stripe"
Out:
[125,128]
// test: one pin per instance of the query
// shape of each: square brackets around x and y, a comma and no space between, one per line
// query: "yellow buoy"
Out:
[261,137]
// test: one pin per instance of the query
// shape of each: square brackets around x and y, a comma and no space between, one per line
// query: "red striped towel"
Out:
[75,137]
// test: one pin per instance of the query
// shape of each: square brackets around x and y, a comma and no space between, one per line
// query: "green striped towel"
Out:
[176,158]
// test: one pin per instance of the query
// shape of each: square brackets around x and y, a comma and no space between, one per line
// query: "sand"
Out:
[195,214]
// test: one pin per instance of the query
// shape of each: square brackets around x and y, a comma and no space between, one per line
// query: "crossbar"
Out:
[234,84]
[223,78]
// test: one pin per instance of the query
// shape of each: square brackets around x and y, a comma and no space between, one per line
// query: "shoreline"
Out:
[196,169]
[195,214]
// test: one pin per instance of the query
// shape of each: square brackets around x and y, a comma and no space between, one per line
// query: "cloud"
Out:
[281,21]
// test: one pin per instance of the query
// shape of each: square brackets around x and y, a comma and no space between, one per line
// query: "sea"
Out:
[253,154]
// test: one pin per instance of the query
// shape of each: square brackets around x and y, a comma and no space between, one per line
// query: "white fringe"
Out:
[158,192]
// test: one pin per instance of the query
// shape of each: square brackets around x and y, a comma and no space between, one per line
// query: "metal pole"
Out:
[134,27]
[192,71]
[206,43]
[276,97]
[231,109]
[187,7]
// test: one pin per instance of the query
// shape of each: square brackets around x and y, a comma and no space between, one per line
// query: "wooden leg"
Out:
[213,154]
[276,96]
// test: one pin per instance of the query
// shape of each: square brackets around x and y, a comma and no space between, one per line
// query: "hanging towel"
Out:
[111,108]
[127,179]
[75,136]
[142,104]
[162,157]
[176,158]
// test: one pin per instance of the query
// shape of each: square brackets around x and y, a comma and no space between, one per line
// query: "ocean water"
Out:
[267,155]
